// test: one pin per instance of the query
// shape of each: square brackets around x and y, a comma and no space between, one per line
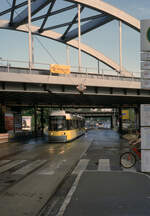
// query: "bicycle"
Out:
[128,159]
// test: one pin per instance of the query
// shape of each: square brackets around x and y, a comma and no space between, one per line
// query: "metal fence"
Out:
[85,72]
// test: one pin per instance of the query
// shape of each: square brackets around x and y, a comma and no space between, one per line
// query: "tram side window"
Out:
[71,125]
[79,123]
[68,124]
[75,123]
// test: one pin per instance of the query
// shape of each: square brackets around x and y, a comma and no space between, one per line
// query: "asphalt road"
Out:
[35,176]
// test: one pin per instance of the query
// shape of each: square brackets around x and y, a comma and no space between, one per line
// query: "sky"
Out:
[14,45]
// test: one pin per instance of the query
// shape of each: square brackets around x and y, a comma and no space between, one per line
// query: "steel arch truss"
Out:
[104,13]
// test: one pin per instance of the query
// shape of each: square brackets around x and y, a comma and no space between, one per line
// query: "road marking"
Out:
[104,165]
[2,162]
[79,169]
[82,165]
[29,167]
[69,195]
[51,168]
[11,165]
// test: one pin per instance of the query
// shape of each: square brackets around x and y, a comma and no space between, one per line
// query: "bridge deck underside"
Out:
[72,99]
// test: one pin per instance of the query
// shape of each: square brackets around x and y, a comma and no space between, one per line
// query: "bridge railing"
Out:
[85,72]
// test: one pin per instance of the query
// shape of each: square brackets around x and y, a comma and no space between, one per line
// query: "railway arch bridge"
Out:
[42,89]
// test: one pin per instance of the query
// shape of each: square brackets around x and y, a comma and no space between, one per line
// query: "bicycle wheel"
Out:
[127,160]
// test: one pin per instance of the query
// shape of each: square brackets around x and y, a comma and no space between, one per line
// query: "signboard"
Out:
[145,56]
[145,65]
[145,35]
[145,74]
[60,69]
[9,121]
[125,114]
[18,122]
[145,84]
[145,115]
[145,160]
[145,137]
[26,122]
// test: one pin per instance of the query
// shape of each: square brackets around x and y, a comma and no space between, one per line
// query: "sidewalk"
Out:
[113,193]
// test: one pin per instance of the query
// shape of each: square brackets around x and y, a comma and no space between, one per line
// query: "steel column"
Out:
[79,39]
[30,36]
[120,44]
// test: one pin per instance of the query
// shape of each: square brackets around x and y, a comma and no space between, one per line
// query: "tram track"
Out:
[12,171]
[28,190]
[12,176]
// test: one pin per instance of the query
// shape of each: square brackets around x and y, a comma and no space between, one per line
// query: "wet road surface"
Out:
[37,169]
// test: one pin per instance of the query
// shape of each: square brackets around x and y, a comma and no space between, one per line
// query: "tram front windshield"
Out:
[57,123]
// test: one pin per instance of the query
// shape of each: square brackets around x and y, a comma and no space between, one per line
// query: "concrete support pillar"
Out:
[42,122]
[120,120]
[114,117]
[137,117]
[2,119]
[35,121]
[112,125]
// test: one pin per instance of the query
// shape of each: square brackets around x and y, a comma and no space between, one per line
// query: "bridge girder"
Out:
[4,24]
[118,14]
[22,17]
[107,14]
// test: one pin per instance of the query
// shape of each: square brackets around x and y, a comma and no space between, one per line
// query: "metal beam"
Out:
[102,6]
[68,23]
[16,7]
[54,12]
[47,15]
[12,12]
[73,21]
[37,5]
[4,24]
[89,26]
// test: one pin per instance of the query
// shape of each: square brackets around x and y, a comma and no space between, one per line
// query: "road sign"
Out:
[60,69]
[145,35]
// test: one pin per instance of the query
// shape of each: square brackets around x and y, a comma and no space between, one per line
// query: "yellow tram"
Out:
[64,127]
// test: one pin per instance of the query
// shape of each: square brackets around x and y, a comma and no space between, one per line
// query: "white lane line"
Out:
[104,165]
[69,195]
[11,165]
[82,165]
[29,167]
[2,162]
[79,169]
